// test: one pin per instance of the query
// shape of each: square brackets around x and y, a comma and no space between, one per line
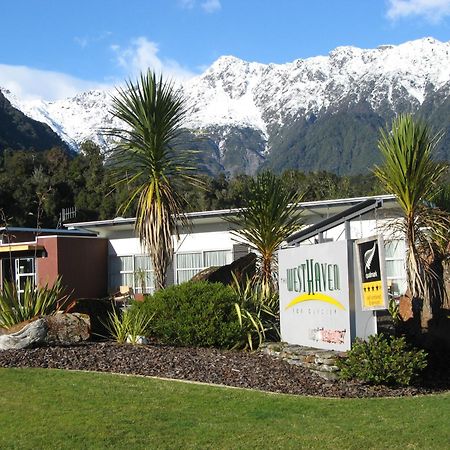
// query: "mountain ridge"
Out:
[310,114]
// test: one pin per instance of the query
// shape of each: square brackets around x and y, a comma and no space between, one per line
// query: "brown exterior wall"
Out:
[82,262]
[47,268]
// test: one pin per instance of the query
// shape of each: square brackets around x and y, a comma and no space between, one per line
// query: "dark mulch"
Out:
[231,368]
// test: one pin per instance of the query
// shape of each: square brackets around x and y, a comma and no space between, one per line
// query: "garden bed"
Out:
[231,368]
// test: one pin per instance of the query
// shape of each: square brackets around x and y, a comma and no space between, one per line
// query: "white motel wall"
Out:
[209,242]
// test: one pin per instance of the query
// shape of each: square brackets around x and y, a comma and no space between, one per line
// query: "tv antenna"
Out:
[66,214]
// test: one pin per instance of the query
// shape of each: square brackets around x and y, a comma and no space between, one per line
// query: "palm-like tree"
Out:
[149,158]
[410,173]
[269,215]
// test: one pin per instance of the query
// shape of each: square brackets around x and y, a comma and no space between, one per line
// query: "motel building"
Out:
[94,259]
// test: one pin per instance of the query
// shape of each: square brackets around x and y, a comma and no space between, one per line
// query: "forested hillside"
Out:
[35,186]
[18,131]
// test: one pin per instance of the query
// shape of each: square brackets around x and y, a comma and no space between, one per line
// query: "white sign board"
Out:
[315,307]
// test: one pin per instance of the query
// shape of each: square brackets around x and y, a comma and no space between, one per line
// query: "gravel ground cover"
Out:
[231,368]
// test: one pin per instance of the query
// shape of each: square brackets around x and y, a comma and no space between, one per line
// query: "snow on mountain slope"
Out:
[235,93]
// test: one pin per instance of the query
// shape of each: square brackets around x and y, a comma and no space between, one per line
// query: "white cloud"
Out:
[30,84]
[84,41]
[143,54]
[211,6]
[187,4]
[81,41]
[432,10]
[33,84]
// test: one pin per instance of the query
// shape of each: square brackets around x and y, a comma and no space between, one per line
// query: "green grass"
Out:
[58,409]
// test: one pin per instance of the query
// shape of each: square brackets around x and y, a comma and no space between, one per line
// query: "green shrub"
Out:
[194,314]
[383,360]
[35,301]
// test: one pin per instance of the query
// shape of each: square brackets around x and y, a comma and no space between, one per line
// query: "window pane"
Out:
[189,260]
[395,249]
[395,268]
[23,281]
[126,279]
[126,263]
[143,281]
[217,258]
[142,262]
[26,265]
[397,286]
[185,275]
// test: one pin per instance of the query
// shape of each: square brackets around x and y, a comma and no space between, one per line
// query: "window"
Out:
[134,271]
[395,252]
[25,273]
[189,264]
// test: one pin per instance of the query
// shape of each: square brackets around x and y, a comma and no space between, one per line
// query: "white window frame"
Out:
[26,275]
[229,259]
[132,272]
[398,258]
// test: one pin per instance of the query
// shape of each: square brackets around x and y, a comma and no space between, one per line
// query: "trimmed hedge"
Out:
[197,314]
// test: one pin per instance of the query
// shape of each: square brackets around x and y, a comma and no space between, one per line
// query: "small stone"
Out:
[329,368]
[325,361]
[140,340]
[329,376]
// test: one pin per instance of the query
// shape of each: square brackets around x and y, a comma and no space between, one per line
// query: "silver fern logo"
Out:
[368,260]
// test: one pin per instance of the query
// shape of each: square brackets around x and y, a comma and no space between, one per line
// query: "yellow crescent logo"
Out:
[315,297]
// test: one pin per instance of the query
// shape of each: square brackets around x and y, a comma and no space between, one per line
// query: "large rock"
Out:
[60,329]
[242,268]
[31,335]
[68,329]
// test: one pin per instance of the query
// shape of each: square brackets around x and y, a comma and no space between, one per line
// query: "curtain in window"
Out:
[395,249]
[142,262]
[126,263]
[395,252]
[186,275]
[189,261]
[216,258]
[143,274]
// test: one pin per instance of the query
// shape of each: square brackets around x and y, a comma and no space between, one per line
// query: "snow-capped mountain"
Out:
[282,115]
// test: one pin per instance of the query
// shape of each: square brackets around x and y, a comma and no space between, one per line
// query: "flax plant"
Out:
[150,159]
[413,176]
[269,216]
[257,313]
[128,326]
[34,302]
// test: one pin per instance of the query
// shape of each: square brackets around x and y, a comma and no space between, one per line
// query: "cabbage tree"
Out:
[149,160]
[269,215]
[414,177]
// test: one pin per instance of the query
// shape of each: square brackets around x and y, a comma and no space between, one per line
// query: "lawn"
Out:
[58,409]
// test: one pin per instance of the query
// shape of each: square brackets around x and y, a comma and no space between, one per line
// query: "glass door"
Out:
[25,272]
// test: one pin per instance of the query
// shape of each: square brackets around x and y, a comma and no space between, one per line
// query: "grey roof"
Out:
[47,231]
[316,207]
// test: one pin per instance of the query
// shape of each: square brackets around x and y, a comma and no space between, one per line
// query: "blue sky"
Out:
[54,48]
